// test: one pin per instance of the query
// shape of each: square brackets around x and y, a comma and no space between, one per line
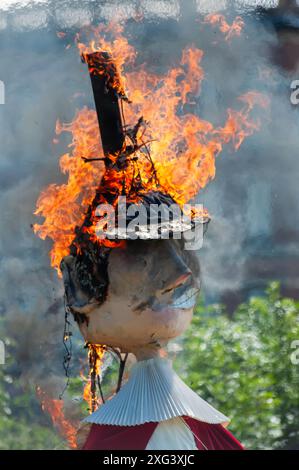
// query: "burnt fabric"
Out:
[206,436]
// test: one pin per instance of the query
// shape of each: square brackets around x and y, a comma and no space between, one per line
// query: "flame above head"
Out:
[229,30]
[64,206]
[182,146]
[54,408]
[110,40]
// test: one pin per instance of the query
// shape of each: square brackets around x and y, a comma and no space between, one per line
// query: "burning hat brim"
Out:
[161,230]
[158,222]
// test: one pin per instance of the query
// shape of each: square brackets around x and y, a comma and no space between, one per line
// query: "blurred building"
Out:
[285,20]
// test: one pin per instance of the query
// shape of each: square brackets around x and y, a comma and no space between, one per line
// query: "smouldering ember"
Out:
[183,147]
[54,408]
[229,30]
[95,358]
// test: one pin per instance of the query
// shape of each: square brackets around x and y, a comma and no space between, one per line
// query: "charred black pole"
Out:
[104,80]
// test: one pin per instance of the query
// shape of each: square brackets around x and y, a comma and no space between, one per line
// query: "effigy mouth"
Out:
[186,298]
[183,297]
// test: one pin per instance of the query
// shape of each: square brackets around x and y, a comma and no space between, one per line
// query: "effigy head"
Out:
[137,295]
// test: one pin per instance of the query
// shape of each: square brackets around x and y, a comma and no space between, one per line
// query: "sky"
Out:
[25,15]
[5,4]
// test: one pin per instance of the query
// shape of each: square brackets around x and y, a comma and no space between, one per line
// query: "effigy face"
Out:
[150,299]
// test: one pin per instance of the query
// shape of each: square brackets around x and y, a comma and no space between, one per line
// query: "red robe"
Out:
[207,436]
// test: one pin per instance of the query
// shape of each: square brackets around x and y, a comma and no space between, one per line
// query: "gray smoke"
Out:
[252,200]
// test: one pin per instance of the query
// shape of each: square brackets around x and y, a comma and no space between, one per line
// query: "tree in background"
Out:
[246,367]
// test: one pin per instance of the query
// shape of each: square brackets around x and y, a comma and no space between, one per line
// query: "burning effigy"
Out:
[120,228]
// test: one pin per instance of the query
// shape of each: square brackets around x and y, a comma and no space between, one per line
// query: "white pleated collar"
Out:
[154,393]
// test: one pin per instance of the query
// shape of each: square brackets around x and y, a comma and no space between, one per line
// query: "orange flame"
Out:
[60,34]
[229,31]
[55,409]
[183,146]
[64,206]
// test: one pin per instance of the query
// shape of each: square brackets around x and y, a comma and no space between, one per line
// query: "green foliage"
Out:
[22,425]
[242,366]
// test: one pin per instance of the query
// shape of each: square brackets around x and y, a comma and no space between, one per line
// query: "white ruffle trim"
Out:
[154,393]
